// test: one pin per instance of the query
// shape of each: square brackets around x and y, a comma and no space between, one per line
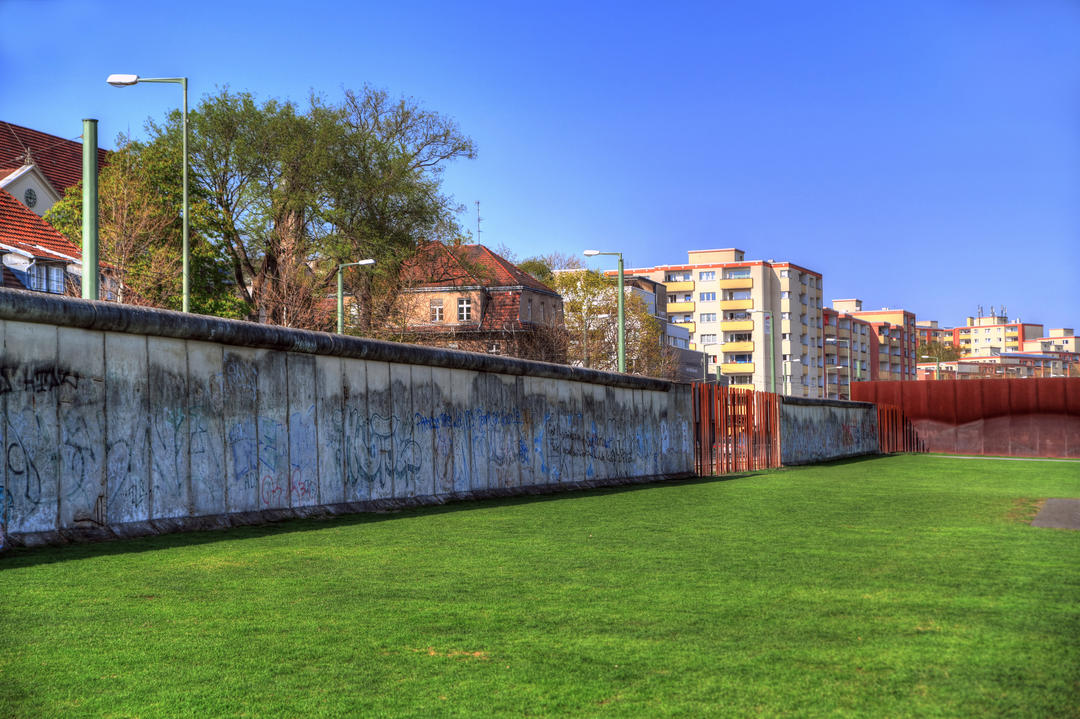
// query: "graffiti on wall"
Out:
[201,440]
[813,433]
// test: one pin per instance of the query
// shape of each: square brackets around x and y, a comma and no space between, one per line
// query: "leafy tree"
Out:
[937,352]
[590,305]
[140,231]
[296,192]
[542,267]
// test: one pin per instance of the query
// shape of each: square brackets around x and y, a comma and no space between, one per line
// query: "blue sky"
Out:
[923,154]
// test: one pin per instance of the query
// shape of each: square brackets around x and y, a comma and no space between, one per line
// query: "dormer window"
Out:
[47,278]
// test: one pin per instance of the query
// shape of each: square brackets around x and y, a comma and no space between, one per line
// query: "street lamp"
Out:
[341,292]
[937,370]
[125,80]
[622,316]
[768,346]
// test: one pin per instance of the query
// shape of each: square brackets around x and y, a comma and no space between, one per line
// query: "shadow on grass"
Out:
[27,557]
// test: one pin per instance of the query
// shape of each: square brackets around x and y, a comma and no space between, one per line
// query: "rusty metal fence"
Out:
[735,430]
[896,433]
[738,430]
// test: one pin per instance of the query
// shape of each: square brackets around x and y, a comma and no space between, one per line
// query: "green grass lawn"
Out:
[900,586]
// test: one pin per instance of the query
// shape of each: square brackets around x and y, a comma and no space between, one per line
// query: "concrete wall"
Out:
[122,421]
[819,430]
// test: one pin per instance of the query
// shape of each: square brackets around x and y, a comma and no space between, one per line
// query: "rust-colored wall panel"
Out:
[1052,395]
[915,398]
[969,437]
[1037,417]
[968,401]
[996,434]
[1023,436]
[941,403]
[1072,396]
[1023,396]
[995,396]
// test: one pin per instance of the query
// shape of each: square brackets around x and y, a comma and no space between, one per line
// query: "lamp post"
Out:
[622,316]
[937,369]
[125,80]
[768,346]
[341,292]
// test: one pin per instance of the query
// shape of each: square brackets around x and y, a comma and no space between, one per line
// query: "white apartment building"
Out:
[758,321]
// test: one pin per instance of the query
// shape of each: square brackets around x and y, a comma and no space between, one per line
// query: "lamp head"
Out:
[363,263]
[120,80]
[591,253]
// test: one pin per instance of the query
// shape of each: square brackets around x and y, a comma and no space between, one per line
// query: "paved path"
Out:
[1059,514]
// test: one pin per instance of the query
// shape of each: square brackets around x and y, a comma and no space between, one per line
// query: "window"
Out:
[528,311]
[436,311]
[708,339]
[541,311]
[711,275]
[786,336]
[785,295]
[464,309]
[785,315]
[785,273]
[707,296]
[741,358]
[739,337]
[708,317]
[739,273]
[737,295]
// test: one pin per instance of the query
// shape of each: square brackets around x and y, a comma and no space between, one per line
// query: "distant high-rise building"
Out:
[893,339]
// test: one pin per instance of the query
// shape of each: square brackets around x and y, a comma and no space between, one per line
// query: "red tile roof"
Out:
[59,159]
[438,265]
[21,228]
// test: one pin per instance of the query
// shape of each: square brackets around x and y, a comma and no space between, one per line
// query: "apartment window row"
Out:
[707,297]
[708,317]
[677,277]
[707,275]
[738,273]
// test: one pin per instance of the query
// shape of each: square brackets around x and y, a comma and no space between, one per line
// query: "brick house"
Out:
[468,297]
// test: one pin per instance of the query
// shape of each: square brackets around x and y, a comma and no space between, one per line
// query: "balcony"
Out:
[679,286]
[735,304]
[680,307]
[739,346]
[736,325]
[688,325]
[737,368]
[741,386]
[742,283]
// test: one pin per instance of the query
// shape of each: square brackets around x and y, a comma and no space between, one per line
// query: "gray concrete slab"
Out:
[240,388]
[330,428]
[127,452]
[82,429]
[302,432]
[170,491]
[1059,513]
[355,431]
[206,421]
[273,423]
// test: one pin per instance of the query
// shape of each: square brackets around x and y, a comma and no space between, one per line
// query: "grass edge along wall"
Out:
[122,421]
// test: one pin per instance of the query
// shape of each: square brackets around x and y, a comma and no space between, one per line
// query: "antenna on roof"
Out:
[478,220]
